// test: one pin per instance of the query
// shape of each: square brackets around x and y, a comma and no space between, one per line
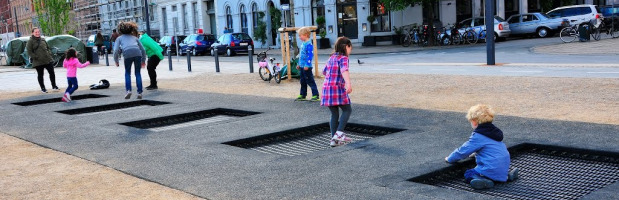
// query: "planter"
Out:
[395,39]
[369,41]
[324,43]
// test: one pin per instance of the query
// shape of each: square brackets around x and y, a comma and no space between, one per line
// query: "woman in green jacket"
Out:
[155,54]
[42,59]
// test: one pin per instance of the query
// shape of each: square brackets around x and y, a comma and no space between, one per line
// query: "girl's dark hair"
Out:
[71,53]
[340,46]
[127,27]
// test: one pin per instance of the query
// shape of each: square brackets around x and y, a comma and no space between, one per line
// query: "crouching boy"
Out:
[490,152]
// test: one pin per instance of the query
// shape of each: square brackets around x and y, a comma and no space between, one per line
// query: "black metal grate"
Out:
[189,119]
[111,107]
[58,99]
[307,139]
[545,172]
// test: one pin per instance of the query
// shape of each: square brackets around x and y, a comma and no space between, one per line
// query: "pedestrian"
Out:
[99,43]
[304,65]
[71,63]
[133,53]
[335,90]
[153,51]
[486,145]
[114,36]
[41,55]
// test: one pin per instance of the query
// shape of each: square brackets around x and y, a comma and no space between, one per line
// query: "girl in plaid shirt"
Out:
[336,88]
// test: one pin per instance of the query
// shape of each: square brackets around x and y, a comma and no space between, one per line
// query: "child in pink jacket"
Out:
[72,63]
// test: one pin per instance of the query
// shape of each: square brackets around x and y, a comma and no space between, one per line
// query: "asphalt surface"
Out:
[193,159]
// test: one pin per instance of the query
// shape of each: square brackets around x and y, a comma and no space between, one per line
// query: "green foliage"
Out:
[371,19]
[323,33]
[320,20]
[276,18]
[398,31]
[260,33]
[396,5]
[53,15]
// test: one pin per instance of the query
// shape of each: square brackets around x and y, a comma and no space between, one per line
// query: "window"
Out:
[318,9]
[164,16]
[229,19]
[151,9]
[254,15]
[173,8]
[599,2]
[185,24]
[381,15]
[196,22]
[514,19]
[243,19]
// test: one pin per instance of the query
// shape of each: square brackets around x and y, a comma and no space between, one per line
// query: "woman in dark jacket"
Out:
[42,59]
[99,43]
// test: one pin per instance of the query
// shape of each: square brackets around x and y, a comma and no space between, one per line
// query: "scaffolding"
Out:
[87,18]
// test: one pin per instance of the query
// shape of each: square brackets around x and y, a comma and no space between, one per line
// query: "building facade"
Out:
[23,11]
[350,17]
[112,12]
[87,18]
[184,17]
[6,22]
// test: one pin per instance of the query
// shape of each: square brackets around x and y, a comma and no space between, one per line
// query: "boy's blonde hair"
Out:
[480,113]
[304,31]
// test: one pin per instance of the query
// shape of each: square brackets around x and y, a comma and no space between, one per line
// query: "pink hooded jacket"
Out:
[72,64]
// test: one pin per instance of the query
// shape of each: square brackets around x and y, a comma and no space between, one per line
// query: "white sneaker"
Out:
[335,143]
[139,96]
[128,95]
[68,96]
[341,137]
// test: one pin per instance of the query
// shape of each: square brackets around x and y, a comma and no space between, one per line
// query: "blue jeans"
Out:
[471,174]
[72,85]
[307,78]
[137,61]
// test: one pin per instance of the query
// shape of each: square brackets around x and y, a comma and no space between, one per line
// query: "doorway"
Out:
[347,21]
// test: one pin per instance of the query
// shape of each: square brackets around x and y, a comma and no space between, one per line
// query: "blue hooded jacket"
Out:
[306,54]
[492,156]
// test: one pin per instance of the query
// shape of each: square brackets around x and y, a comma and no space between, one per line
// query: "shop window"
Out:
[382,22]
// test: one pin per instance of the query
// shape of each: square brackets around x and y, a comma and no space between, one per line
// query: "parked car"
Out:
[232,43]
[538,24]
[170,42]
[106,42]
[578,14]
[201,43]
[501,27]
[611,15]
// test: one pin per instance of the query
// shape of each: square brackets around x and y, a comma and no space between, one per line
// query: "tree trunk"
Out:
[430,6]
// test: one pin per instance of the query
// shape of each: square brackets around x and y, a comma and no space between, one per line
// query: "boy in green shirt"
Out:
[155,55]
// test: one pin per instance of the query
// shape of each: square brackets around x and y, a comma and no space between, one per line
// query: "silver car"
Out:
[538,24]
[502,29]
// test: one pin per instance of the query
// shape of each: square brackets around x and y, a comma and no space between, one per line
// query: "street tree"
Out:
[428,5]
[53,15]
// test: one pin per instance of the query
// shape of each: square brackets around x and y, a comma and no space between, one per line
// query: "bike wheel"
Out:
[445,41]
[406,40]
[457,39]
[265,75]
[597,33]
[614,32]
[278,77]
[568,34]
[471,37]
[482,35]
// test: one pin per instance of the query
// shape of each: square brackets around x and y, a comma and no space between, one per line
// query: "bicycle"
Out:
[268,70]
[470,36]
[411,36]
[57,56]
[569,33]
[452,37]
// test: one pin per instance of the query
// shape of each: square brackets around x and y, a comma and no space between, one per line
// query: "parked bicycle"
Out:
[569,33]
[268,70]
[411,36]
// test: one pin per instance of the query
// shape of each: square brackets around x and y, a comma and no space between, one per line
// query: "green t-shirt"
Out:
[151,47]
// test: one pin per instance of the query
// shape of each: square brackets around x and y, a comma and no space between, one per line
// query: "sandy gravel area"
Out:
[29,171]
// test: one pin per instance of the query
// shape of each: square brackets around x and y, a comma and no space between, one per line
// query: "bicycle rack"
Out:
[545,172]
[308,139]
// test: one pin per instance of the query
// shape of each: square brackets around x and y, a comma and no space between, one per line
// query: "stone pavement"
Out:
[197,160]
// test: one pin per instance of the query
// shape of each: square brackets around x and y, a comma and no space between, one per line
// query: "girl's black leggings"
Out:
[339,125]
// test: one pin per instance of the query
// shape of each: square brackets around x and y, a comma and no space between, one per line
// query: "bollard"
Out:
[169,58]
[189,51]
[216,60]
[250,51]
[107,61]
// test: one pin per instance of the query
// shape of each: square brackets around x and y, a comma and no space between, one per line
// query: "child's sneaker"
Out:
[300,98]
[139,96]
[335,143]
[315,98]
[341,137]
[513,174]
[64,99]
[128,95]
[480,184]
[68,96]
[55,88]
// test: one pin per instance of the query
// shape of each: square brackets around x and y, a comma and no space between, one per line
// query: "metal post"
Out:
[170,58]
[189,51]
[250,51]
[16,23]
[216,60]
[147,17]
[107,62]
[489,15]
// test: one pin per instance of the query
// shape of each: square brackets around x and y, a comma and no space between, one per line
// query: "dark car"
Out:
[201,43]
[611,18]
[169,42]
[232,43]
